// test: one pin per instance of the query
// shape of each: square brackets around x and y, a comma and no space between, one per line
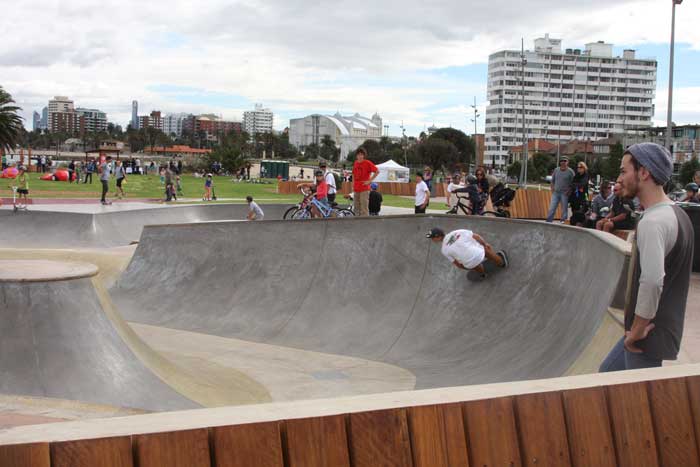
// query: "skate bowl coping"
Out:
[644,417]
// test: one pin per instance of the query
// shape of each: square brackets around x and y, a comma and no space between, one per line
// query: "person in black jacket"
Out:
[375,200]
[579,199]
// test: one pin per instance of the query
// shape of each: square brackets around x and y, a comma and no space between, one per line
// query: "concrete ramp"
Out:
[377,289]
[108,227]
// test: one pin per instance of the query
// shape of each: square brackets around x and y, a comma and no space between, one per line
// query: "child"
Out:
[22,186]
[321,188]
[254,211]
[208,183]
[162,175]
[375,200]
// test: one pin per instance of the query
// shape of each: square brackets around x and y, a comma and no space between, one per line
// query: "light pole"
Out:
[669,122]
[476,145]
[523,167]
[404,144]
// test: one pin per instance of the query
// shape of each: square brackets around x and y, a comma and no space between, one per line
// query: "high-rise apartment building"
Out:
[258,120]
[135,115]
[572,94]
[154,120]
[210,125]
[62,117]
[36,121]
[173,123]
[93,120]
[45,118]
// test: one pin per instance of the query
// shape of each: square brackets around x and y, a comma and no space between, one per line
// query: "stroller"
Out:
[501,197]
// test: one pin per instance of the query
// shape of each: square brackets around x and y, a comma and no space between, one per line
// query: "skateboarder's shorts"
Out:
[22,191]
[119,182]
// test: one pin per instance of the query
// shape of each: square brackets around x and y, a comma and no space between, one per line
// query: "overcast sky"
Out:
[417,62]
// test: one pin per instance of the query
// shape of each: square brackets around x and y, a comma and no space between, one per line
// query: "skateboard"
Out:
[491,270]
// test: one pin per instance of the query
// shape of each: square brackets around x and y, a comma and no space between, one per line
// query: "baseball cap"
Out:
[435,232]
[563,159]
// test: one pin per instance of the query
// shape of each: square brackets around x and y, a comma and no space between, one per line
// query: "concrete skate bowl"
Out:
[51,229]
[377,289]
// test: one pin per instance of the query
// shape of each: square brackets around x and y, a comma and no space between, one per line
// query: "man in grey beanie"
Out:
[661,264]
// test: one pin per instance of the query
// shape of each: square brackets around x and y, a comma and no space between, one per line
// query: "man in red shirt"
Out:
[363,173]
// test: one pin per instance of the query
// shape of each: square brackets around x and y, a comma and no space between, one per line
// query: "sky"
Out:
[420,63]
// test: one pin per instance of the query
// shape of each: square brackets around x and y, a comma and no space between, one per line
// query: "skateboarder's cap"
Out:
[435,232]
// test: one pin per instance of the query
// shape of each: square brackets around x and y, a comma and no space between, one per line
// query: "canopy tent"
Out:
[392,172]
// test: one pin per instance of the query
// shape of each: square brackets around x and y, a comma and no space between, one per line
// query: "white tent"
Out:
[392,172]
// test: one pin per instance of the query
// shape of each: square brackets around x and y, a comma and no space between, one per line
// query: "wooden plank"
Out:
[104,452]
[633,429]
[542,430]
[316,442]
[380,438]
[491,433]
[588,428]
[437,435]
[188,448]
[693,384]
[25,455]
[258,444]
[673,422]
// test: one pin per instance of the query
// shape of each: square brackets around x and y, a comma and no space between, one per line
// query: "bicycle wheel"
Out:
[289,213]
[344,213]
[302,214]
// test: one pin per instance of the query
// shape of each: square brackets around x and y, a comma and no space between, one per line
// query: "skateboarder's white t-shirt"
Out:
[460,245]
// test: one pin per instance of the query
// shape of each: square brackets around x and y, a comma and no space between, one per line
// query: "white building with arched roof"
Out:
[348,132]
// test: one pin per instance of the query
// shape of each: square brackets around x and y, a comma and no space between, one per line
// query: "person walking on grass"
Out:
[422,194]
[120,176]
[363,174]
[662,257]
[105,175]
[562,184]
[89,170]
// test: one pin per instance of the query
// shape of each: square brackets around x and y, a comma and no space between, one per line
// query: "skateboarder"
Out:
[254,211]
[467,250]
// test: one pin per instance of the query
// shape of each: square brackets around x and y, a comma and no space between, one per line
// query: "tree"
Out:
[611,166]
[514,169]
[11,127]
[688,169]
[438,154]
[231,152]
[542,165]
[329,151]
[463,143]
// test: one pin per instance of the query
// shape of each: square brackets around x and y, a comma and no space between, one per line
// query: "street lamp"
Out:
[523,167]
[669,123]
[404,143]
[476,146]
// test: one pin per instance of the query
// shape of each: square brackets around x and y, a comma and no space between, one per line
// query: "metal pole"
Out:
[524,159]
[476,146]
[669,122]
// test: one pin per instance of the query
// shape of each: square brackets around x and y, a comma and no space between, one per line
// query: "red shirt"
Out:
[322,190]
[361,172]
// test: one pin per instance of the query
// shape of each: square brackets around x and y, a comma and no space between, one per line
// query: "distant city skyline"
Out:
[423,69]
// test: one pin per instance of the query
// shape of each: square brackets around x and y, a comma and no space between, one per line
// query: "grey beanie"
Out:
[655,158]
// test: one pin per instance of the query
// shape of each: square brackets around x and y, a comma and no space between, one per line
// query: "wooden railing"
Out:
[528,204]
[636,418]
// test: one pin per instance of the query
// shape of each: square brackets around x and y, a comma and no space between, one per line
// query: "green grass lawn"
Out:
[149,187]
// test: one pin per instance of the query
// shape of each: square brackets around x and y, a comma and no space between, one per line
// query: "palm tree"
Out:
[10,122]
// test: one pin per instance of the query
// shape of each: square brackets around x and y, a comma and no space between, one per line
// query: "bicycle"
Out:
[467,209]
[303,209]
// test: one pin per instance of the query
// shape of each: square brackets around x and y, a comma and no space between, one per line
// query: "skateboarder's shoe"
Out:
[504,257]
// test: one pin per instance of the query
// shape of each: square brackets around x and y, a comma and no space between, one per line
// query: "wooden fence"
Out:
[528,204]
[641,418]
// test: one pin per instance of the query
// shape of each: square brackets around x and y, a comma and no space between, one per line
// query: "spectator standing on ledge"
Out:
[105,173]
[375,200]
[422,194]
[662,256]
[579,196]
[562,180]
[363,174]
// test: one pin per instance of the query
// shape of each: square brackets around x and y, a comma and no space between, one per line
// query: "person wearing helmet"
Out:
[321,191]
[375,199]
[691,193]
[467,250]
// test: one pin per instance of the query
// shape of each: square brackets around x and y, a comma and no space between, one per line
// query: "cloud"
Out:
[403,59]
